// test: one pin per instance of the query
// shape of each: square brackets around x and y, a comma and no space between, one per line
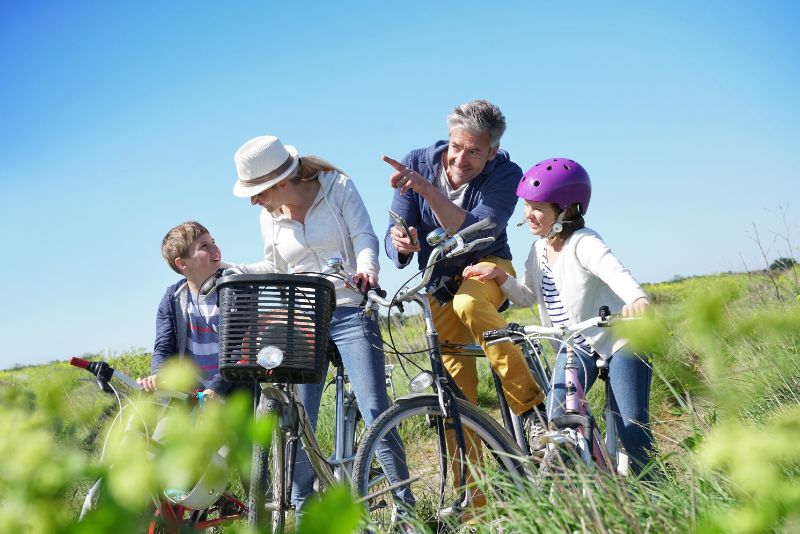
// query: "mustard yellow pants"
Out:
[463,320]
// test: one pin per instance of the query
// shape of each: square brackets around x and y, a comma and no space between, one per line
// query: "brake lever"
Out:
[463,248]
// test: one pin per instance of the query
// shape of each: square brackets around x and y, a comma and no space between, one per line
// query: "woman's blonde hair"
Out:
[310,167]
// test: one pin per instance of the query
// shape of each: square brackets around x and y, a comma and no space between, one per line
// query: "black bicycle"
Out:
[452,447]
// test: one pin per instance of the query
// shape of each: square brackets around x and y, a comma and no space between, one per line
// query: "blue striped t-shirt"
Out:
[553,305]
[203,341]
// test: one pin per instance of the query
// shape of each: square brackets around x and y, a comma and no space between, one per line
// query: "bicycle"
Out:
[542,374]
[436,426]
[203,506]
[533,353]
[573,439]
[274,331]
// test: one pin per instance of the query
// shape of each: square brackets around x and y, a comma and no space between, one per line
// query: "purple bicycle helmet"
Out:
[559,181]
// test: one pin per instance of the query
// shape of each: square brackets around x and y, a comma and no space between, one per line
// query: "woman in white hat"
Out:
[311,213]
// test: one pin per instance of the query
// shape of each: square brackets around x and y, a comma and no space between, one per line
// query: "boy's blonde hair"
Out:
[176,243]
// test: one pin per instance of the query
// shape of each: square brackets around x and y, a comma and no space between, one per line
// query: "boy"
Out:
[187,322]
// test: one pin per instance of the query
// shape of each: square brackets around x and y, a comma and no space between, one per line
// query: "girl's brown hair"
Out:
[573,220]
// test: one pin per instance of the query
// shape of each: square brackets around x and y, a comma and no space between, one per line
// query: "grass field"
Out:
[725,406]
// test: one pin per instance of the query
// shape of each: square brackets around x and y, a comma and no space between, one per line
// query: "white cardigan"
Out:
[587,275]
[336,225]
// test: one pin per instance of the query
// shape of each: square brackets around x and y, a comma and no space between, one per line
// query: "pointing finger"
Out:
[394,163]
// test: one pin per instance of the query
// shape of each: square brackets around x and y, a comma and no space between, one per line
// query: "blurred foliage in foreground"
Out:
[725,408]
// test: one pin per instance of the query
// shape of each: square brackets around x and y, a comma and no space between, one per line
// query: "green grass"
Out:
[725,407]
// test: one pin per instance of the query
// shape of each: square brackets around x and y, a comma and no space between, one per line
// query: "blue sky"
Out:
[120,120]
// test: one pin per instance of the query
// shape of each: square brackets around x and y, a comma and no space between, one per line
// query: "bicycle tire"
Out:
[566,468]
[418,421]
[265,496]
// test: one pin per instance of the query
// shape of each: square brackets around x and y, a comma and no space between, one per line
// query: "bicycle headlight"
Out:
[270,357]
[421,382]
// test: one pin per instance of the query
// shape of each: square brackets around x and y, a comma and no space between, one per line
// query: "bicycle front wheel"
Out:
[266,495]
[424,498]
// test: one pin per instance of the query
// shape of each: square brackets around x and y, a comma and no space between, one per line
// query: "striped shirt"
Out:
[203,341]
[553,305]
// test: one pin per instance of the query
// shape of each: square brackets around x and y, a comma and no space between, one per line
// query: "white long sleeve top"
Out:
[587,275]
[336,225]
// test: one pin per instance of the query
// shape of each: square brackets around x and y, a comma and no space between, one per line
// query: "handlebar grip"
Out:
[483,224]
[379,291]
[510,330]
[493,335]
[79,362]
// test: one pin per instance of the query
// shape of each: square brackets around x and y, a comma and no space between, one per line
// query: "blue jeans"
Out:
[359,342]
[627,401]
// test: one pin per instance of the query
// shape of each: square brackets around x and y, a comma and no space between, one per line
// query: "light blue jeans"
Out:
[628,401]
[359,342]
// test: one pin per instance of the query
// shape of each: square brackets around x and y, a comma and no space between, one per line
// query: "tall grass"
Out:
[726,411]
[725,408]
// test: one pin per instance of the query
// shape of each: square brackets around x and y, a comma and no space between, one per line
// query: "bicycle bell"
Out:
[436,236]
[333,265]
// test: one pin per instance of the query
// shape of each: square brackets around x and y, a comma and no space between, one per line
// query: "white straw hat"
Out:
[261,163]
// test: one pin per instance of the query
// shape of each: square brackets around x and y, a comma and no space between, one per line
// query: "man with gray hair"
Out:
[453,184]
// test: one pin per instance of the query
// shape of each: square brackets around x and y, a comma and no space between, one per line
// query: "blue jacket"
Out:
[493,193]
[172,332]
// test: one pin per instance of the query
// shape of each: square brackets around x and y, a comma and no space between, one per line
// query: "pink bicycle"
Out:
[573,442]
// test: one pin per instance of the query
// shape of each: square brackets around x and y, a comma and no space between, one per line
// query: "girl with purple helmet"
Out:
[570,272]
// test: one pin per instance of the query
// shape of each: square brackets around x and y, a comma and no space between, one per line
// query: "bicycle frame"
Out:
[577,426]
[174,515]
[534,357]
[296,426]
[440,380]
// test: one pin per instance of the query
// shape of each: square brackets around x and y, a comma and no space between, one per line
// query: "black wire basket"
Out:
[264,312]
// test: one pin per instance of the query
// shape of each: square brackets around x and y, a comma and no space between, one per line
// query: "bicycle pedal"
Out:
[381,505]
[553,438]
[538,454]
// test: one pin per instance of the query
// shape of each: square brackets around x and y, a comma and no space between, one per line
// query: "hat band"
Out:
[269,176]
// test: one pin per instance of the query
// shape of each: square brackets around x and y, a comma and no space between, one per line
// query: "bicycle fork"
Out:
[344,427]
[450,416]
[576,405]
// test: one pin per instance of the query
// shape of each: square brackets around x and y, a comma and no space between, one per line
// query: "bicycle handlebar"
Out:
[105,373]
[515,333]
[455,245]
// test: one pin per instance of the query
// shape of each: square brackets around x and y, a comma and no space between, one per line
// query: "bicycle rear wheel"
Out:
[266,495]
[426,500]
